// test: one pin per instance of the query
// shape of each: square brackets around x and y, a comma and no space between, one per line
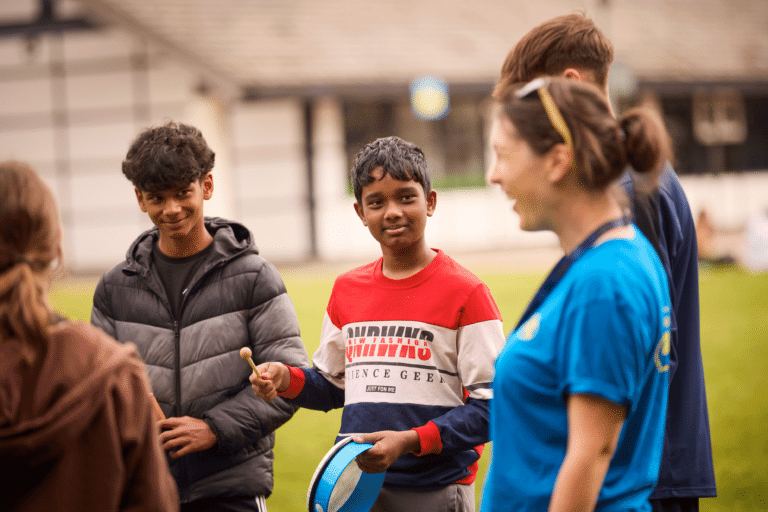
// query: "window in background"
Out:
[692,157]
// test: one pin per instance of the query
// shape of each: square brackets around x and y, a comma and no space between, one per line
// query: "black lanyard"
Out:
[564,264]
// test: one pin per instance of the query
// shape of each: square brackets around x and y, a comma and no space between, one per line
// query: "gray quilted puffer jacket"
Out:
[237,299]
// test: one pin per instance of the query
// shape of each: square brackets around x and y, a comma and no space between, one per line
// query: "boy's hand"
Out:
[274,376]
[388,446]
[185,435]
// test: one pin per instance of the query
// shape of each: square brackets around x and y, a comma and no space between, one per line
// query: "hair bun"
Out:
[646,141]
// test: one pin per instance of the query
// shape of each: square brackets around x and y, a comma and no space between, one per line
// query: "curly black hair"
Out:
[168,156]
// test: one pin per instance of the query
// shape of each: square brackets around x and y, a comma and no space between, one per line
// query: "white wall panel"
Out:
[271,176]
[27,145]
[102,141]
[93,92]
[19,52]
[210,116]
[342,236]
[330,154]
[160,113]
[90,247]
[280,236]
[479,219]
[100,44]
[169,82]
[25,96]
[268,123]
[729,199]
[19,9]
[100,192]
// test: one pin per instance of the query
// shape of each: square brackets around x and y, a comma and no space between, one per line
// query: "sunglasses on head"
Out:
[539,85]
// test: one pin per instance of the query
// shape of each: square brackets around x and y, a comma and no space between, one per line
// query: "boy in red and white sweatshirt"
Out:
[407,348]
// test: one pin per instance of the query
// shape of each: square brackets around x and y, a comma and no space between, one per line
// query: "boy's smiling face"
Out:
[395,211]
[177,212]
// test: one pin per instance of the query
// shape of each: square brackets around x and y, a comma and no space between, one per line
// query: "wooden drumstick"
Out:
[245,353]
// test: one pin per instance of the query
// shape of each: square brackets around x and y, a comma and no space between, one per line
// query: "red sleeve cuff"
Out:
[429,439]
[295,385]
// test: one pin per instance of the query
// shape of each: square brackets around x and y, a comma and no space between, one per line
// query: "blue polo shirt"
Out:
[604,331]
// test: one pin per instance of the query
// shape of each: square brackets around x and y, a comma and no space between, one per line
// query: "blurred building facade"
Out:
[287,92]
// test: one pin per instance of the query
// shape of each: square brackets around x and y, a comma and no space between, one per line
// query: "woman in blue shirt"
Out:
[580,389]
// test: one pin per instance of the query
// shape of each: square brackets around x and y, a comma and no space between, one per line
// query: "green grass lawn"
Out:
[734,328]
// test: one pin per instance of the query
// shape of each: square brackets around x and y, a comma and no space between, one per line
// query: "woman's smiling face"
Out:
[520,173]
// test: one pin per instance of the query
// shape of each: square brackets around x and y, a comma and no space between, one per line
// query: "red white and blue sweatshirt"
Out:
[415,353]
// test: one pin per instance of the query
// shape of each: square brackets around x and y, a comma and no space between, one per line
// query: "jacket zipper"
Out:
[182,484]
[177,366]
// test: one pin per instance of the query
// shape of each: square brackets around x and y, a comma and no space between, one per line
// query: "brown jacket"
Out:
[77,431]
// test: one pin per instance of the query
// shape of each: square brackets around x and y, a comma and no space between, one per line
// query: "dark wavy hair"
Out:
[400,159]
[168,156]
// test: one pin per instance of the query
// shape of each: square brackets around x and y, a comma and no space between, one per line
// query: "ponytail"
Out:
[30,241]
[646,143]
[24,315]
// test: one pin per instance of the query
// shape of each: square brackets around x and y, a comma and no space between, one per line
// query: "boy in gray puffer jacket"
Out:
[191,293]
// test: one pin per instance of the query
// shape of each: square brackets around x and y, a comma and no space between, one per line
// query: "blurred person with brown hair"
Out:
[705,235]
[572,46]
[77,430]
[580,388]
[710,251]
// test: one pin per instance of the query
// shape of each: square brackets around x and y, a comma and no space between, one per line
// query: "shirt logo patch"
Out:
[664,347]
[661,354]
[530,328]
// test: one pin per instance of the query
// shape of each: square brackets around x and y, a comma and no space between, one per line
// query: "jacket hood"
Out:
[45,406]
[230,239]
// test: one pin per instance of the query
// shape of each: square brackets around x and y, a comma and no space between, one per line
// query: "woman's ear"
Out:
[559,162]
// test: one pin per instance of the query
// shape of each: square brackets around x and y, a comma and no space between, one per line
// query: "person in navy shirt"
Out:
[572,46]
[580,388]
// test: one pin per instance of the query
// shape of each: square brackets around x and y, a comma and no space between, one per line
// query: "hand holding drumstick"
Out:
[267,378]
